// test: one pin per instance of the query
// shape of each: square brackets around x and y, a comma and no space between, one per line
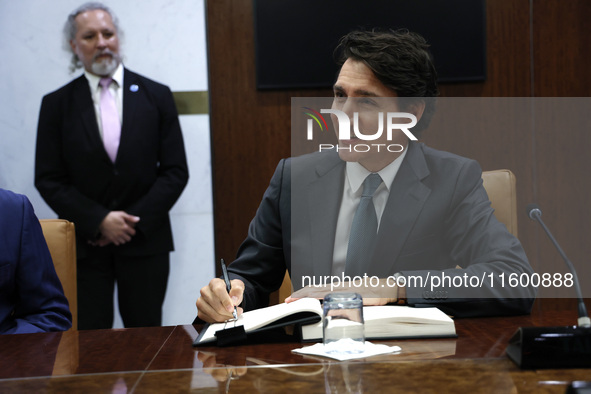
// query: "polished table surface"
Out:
[162,359]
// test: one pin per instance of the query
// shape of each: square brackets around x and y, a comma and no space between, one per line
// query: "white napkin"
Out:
[369,349]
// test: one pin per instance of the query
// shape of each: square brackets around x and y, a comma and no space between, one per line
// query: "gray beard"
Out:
[106,67]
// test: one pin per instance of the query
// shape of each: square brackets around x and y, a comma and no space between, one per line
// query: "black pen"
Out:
[228,285]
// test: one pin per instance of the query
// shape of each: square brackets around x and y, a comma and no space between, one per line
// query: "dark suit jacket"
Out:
[437,218]
[31,295]
[77,179]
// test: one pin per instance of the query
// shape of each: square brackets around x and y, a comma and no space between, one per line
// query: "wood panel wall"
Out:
[535,48]
[562,68]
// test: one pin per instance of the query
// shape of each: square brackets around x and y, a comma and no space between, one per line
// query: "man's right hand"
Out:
[215,304]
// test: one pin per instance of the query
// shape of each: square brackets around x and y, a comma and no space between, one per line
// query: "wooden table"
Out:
[162,360]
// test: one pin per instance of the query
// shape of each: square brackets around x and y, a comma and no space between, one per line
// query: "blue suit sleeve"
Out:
[40,304]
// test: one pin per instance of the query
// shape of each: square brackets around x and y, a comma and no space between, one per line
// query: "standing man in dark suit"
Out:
[111,158]
[434,233]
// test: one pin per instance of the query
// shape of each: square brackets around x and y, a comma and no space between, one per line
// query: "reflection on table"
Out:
[162,359]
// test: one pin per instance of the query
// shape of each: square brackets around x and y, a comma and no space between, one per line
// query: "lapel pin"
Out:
[134,88]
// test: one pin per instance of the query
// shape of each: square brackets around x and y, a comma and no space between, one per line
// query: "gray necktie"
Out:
[363,229]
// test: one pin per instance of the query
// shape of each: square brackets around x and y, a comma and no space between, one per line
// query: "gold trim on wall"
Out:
[192,103]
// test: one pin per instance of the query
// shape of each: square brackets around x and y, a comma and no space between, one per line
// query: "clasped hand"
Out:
[117,228]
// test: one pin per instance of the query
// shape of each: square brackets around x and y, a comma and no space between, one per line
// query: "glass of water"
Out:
[343,329]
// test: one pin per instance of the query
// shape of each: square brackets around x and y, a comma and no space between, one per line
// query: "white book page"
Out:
[396,321]
[258,318]
[406,314]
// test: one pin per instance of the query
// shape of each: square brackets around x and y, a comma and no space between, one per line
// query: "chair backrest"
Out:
[501,190]
[61,241]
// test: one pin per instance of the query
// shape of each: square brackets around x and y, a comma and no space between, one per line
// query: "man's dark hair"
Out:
[400,59]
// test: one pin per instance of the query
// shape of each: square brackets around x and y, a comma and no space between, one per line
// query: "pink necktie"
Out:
[109,119]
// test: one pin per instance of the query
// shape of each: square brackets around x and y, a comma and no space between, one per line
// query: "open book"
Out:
[381,322]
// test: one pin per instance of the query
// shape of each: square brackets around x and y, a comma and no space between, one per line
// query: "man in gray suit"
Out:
[434,233]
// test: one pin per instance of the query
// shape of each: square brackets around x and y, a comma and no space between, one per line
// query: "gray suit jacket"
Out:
[438,230]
